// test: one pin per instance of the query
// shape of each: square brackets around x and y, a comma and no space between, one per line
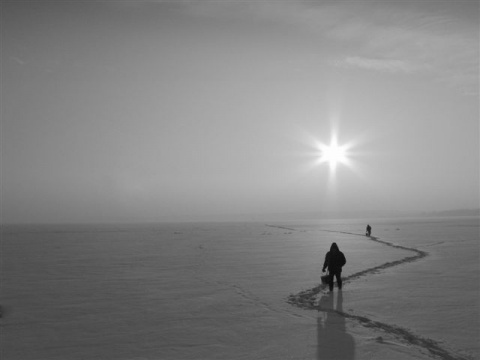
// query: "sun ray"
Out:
[333,154]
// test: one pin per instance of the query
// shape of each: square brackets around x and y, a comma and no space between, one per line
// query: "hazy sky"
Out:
[173,110]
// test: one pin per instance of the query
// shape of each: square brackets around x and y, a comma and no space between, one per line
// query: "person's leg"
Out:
[330,281]
[338,275]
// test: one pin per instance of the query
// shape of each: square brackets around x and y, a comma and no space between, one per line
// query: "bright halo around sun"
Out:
[333,154]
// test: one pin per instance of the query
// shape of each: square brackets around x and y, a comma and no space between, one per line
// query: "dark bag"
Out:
[325,278]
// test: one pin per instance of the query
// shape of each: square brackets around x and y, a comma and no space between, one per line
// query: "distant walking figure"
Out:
[369,230]
[334,260]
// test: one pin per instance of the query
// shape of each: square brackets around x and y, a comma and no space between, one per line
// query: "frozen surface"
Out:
[222,291]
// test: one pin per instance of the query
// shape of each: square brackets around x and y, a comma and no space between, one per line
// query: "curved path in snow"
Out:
[306,299]
[418,255]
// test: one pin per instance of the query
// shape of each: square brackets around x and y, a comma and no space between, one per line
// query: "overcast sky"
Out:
[175,110]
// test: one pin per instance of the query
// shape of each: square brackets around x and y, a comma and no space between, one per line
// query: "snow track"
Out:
[307,299]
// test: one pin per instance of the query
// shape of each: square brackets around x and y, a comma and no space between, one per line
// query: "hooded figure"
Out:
[334,260]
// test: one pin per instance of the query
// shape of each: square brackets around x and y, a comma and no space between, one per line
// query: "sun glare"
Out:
[333,154]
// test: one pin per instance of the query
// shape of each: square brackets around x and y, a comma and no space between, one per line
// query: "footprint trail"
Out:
[306,299]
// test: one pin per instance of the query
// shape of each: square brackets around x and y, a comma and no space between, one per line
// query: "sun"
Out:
[333,154]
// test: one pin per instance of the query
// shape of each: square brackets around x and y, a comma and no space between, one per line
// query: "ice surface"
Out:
[222,291]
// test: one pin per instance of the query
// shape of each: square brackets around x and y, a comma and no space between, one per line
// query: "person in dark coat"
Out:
[334,260]
[369,230]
